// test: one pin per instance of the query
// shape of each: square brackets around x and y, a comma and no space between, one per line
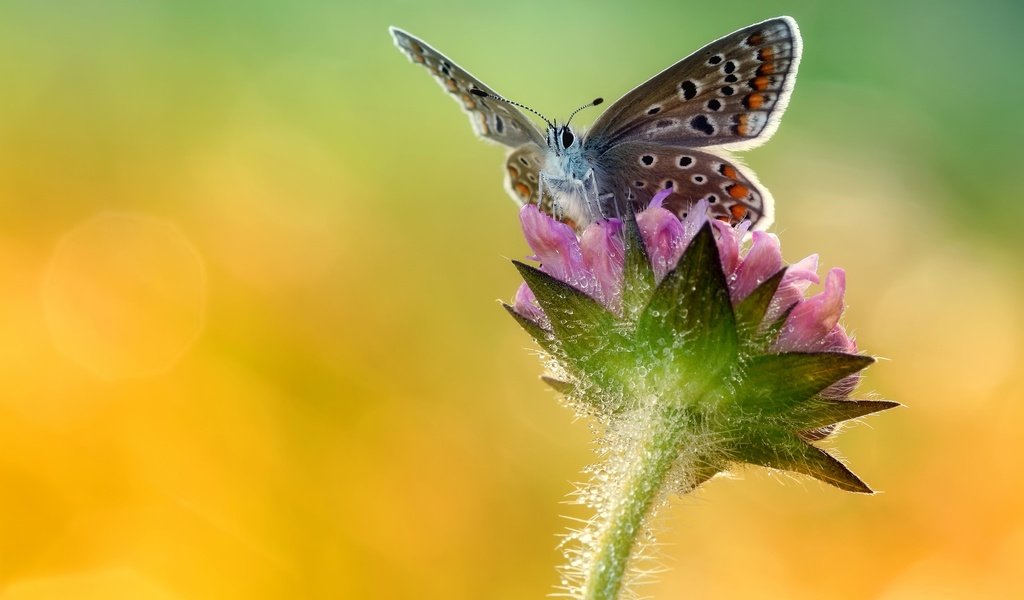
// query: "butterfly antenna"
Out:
[593,102]
[483,94]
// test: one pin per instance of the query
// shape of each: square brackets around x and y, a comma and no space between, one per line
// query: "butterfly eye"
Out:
[567,137]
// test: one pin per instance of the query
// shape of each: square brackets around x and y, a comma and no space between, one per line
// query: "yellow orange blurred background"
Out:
[249,342]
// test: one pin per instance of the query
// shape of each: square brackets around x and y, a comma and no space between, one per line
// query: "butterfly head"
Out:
[561,138]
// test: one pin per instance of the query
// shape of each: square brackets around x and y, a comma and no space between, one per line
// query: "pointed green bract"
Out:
[751,311]
[772,331]
[776,383]
[538,333]
[821,412]
[690,310]
[586,334]
[562,387]
[638,276]
[783,450]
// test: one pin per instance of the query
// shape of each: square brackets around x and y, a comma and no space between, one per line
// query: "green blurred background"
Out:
[249,343]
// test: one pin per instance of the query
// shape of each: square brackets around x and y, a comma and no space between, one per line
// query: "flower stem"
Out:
[655,456]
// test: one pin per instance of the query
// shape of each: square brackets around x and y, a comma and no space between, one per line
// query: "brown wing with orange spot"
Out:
[731,93]
[522,176]
[642,170]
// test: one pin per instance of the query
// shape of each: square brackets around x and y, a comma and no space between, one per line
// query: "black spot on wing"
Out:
[702,124]
[689,89]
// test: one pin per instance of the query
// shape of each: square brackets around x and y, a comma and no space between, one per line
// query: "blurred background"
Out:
[249,339]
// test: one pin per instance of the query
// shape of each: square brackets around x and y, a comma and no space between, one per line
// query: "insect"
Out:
[676,130]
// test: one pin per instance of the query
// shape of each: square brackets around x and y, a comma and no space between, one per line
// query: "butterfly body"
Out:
[676,130]
[569,177]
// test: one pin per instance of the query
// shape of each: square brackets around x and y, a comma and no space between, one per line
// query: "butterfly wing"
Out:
[731,93]
[492,120]
[522,175]
[635,171]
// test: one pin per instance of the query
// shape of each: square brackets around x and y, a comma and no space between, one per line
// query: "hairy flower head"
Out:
[624,310]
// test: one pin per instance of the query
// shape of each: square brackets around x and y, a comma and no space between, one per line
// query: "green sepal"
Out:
[692,306]
[787,451]
[750,313]
[538,333]
[775,384]
[638,275]
[822,412]
[772,331]
[585,333]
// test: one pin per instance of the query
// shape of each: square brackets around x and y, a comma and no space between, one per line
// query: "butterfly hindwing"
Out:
[492,120]
[522,174]
[635,171]
[730,93]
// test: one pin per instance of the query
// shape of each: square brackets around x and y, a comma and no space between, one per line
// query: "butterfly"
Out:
[674,131]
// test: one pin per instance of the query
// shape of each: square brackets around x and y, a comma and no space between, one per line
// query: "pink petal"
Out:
[694,220]
[659,198]
[555,246]
[663,236]
[813,319]
[763,260]
[799,276]
[728,240]
[802,273]
[604,255]
[525,303]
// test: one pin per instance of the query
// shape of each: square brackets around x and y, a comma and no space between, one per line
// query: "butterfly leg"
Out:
[580,191]
[595,198]
[541,180]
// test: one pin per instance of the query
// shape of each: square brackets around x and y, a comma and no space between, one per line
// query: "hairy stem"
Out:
[654,457]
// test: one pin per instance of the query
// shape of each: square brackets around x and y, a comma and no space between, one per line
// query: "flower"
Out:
[697,349]
[593,263]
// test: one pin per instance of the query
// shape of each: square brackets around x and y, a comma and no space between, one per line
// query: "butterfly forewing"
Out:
[493,120]
[635,171]
[730,93]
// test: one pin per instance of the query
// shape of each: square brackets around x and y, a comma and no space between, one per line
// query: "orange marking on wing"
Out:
[766,54]
[738,191]
[755,39]
[760,83]
[741,125]
[754,101]
[415,47]
[738,211]
[766,69]
[451,85]
[729,171]
[484,128]
[522,189]
[418,58]
[468,102]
